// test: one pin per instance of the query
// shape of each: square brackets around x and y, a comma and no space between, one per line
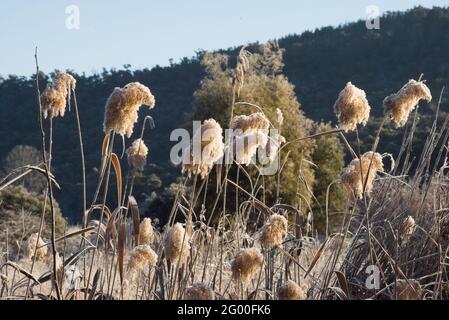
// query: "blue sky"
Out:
[146,33]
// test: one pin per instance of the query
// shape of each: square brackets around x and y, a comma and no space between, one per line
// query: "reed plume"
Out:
[351,108]
[255,121]
[210,149]
[146,233]
[35,245]
[199,291]
[356,173]
[249,133]
[137,154]
[274,231]
[399,105]
[290,291]
[57,94]
[177,247]
[122,106]
[141,256]
[246,264]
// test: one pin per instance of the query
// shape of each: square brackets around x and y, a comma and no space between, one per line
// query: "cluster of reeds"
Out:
[397,223]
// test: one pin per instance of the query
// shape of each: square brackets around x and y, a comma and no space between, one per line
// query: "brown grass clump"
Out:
[351,108]
[146,233]
[274,231]
[55,96]
[210,150]
[177,245]
[31,246]
[290,291]
[399,105]
[408,290]
[246,264]
[137,154]
[140,256]
[199,291]
[122,106]
[356,173]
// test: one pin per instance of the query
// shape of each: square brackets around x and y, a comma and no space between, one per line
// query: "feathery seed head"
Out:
[356,173]
[140,256]
[351,108]
[122,106]
[56,95]
[210,150]
[199,291]
[290,291]
[274,231]
[246,264]
[177,247]
[146,233]
[31,246]
[399,105]
[137,154]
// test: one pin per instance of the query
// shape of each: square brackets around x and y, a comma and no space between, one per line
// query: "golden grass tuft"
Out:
[177,247]
[356,173]
[33,245]
[146,232]
[255,121]
[210,150]
[246,264]
[140,256]
[290,291]
[199,291]
[137,154]
[399,105]
[274,231]
[351,108]
[122,106]
[55,96]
